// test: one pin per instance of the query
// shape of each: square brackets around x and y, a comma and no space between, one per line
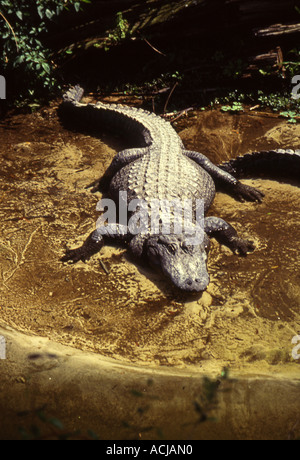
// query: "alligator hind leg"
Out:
[122,159]
[240,191]
[225,234]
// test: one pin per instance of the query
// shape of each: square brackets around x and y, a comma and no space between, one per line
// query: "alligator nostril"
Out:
[189,282]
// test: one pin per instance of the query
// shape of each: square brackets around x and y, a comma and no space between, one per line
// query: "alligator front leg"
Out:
[241,191]
[95,241]
[122,159]
[225,234]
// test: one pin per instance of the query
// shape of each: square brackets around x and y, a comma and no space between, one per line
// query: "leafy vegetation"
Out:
[121,31]
[279,102]
[290,115]
[26,59]
[235,107]
[292,64]
[33,70]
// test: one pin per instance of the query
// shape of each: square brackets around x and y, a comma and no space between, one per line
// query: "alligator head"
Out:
[184,264]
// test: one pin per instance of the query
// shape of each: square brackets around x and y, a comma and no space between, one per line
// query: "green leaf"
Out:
[284,114]
[19,60]
[49,14]
[40,11]
[20,15]
[46,67]
[77,6]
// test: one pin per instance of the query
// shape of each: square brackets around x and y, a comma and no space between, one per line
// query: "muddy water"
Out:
[251,309]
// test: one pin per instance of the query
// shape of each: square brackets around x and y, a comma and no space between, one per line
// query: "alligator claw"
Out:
[74,255]
[241,247]
[94,186]
[99,185]
[246,193]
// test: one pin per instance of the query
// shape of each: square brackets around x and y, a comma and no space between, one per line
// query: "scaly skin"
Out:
[159,168]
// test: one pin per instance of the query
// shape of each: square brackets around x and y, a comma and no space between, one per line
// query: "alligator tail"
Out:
[73,94]
[273,164]
[68,109]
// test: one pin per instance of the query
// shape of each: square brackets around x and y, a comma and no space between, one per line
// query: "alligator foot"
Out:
[244,192]
[240,246]
[225,234]
[91,246]
[99,185]
[94,186]
[74,255]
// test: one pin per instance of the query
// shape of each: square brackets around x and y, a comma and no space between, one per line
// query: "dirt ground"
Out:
[251,309]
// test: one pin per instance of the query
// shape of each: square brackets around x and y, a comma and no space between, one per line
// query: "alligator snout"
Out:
[184,265]
[195,285]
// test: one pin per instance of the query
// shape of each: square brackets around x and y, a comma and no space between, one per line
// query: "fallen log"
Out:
[277,29]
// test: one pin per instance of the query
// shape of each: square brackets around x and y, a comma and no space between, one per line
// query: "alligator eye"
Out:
[185,248]
[171,248]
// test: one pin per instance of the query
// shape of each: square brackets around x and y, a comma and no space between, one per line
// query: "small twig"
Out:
[13,32]
[168,98]
[271,115]
[280,61]
[153,105]
[154,49]
[183,112]
[103,266]
[254,107]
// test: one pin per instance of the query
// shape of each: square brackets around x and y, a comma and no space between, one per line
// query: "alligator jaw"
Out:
[183,264]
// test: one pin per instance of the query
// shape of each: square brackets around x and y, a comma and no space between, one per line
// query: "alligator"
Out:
[160,168]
